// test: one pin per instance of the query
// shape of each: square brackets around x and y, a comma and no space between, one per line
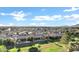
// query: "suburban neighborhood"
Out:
[18,37]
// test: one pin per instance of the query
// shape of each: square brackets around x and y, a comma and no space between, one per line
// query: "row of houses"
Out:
[40,33]
[33,34]
[25,32]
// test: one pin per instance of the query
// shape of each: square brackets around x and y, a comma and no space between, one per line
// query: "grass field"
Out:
[50,47]
[2,48]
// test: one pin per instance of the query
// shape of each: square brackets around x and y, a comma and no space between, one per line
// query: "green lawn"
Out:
[2,48]
[13,50]
[25,49]
[50,47]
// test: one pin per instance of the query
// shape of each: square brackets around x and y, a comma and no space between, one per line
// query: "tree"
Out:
[8,43]
[73,46]
[30,39]
[65,37]
[1,42]
[33,49]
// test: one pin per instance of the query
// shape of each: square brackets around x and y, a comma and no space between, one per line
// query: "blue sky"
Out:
[39,16]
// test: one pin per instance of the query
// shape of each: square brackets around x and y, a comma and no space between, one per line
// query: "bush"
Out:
[33,49]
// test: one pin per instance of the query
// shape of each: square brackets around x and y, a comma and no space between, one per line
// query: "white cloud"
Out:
[66,16]
[17,15]
[42,24]
[3,14]
[72,17]
[10,24]
[41,18]
[71,9]
[75,16]
[2,25]
[57,17]
[37,24]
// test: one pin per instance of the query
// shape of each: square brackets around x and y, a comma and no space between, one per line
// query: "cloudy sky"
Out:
[39,16]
